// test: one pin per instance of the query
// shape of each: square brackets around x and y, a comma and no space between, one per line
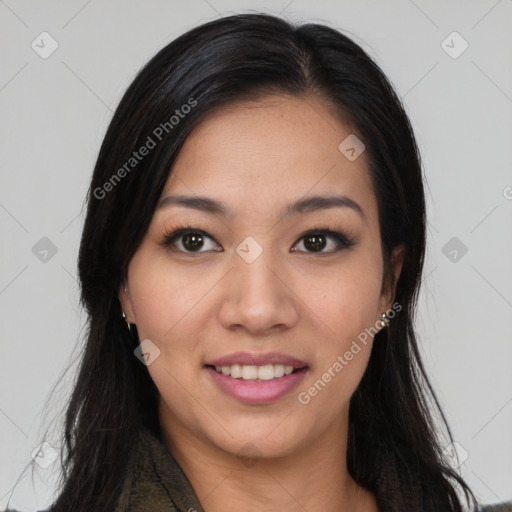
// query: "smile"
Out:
[256,385]
[251,372]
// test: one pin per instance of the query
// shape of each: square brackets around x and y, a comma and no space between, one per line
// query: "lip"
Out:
[248,359]
[257,391]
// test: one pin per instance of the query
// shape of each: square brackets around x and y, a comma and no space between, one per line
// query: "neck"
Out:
[314,478]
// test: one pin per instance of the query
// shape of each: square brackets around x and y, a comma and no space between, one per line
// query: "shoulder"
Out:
[156,481]
[497,507]
[13,510]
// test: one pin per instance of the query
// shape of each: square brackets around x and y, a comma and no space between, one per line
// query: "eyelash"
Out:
[173,235]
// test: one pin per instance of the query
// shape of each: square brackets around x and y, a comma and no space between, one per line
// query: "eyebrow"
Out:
[305,205]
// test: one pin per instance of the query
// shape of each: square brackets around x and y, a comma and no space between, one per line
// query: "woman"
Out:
[256,218]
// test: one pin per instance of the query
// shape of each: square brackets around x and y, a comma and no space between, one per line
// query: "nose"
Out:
[259,296]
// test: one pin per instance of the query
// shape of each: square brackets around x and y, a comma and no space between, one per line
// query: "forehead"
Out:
[259,154]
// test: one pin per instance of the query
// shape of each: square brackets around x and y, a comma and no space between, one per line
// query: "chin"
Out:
[263,438]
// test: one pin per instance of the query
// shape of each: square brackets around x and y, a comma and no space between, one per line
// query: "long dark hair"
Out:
[393,447]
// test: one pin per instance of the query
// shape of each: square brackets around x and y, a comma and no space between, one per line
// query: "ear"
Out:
[126,303]
[388,287]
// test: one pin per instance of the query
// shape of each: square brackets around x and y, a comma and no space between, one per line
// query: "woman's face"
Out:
[266,279]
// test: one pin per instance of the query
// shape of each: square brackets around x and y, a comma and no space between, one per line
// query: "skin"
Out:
[257,157]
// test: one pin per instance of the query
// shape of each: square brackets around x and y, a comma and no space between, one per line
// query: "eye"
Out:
[316,241]
[189,240]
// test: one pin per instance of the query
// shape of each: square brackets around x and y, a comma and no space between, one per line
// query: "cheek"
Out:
[165,299]
[346,300]
[343,347]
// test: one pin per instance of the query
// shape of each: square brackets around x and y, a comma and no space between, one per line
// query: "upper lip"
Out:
[248,359]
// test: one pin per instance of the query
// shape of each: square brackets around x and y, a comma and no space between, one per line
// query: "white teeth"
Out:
[251,372]
[278,370]
[236,371]
[266,372]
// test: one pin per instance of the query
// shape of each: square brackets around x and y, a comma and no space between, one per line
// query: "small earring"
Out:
[128,324]
[384,320]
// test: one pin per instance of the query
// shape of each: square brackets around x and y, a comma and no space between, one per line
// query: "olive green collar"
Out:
[156,482]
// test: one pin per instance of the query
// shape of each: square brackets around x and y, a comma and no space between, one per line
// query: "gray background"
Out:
[54,113]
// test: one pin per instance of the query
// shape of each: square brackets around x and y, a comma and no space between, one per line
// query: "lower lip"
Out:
[257,391]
